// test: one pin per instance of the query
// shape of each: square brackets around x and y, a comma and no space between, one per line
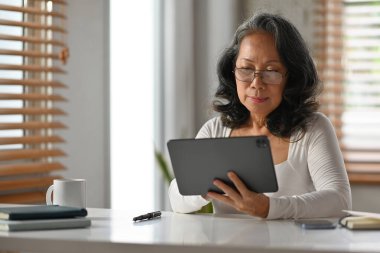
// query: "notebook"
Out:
[360,220]
[197,162]
[355,222]
[24,225]
[40,212]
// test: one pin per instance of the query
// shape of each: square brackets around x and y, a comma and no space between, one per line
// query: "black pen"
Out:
[148,216]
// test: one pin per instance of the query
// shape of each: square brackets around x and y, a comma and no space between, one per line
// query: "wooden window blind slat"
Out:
[32,125]
[324,33]
[333,22]
[29,168]
[330,66]
[38,182]
[364,178]
[337,101]
[32,197]
[31,96]
[367,167]
[33,139]
[32,83]
[33,68]
[31,11]
[337,110]
[31,111]
[322,10]
[31,39]
[33,52]
[30,54]
[32,25]
[8,155]
[336,44]
[322,56]
[335,89]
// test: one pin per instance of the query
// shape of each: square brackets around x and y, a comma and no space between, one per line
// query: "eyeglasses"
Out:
[247,75]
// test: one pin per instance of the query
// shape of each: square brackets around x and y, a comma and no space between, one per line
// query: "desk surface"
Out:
[114,231]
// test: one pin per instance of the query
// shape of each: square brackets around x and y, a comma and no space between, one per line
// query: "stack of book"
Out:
[360,220]
[21,218]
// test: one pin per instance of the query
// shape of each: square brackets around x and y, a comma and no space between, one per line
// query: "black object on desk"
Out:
[44,224]
[40,212]
[148,216]
[315,224]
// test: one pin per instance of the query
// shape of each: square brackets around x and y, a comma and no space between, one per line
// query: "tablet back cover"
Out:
[197,162]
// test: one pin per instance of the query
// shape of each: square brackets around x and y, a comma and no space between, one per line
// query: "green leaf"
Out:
[163,166]
[206,209]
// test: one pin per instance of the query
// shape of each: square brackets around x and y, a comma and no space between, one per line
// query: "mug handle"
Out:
[48,195]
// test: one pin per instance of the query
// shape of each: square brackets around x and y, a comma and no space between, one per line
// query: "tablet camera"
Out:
[261,143]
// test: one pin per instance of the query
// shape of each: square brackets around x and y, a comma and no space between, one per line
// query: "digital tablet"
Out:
[197,162]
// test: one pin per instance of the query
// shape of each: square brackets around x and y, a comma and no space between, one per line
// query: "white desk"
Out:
[114,231]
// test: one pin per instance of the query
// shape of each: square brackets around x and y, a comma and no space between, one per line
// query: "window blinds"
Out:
[32,53]
[347,53]
[328,54]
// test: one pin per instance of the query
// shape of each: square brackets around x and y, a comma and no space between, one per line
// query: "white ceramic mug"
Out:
[67,192]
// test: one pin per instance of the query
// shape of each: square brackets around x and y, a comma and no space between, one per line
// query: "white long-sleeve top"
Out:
[312,182]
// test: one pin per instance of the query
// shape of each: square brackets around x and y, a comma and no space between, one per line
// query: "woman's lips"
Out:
[257,100]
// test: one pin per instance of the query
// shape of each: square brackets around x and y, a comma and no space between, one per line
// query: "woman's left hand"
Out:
[243,200]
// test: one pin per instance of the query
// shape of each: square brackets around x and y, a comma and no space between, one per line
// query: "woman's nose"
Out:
[257,83]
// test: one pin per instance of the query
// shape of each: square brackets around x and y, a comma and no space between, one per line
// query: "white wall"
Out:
[299,12]
[87,106]
[215,22]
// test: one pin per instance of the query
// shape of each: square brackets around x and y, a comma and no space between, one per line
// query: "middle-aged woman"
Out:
[268,86]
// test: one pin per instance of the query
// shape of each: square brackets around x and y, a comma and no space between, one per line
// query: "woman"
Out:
[268,86]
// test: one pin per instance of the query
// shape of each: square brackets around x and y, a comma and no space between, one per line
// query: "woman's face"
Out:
[264,94]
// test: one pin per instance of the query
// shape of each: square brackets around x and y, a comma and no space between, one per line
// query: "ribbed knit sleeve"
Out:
[184,204]
[328,175]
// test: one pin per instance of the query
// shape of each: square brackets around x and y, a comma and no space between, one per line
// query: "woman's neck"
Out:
[257,124]
[252,127]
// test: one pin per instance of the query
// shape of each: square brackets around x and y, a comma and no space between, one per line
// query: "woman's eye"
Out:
[273,68]
[246,70]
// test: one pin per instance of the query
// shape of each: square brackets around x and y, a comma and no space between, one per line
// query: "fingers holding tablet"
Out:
[240,197]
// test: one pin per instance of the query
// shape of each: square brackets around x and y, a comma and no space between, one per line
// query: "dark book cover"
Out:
[44,224]
[40,212]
